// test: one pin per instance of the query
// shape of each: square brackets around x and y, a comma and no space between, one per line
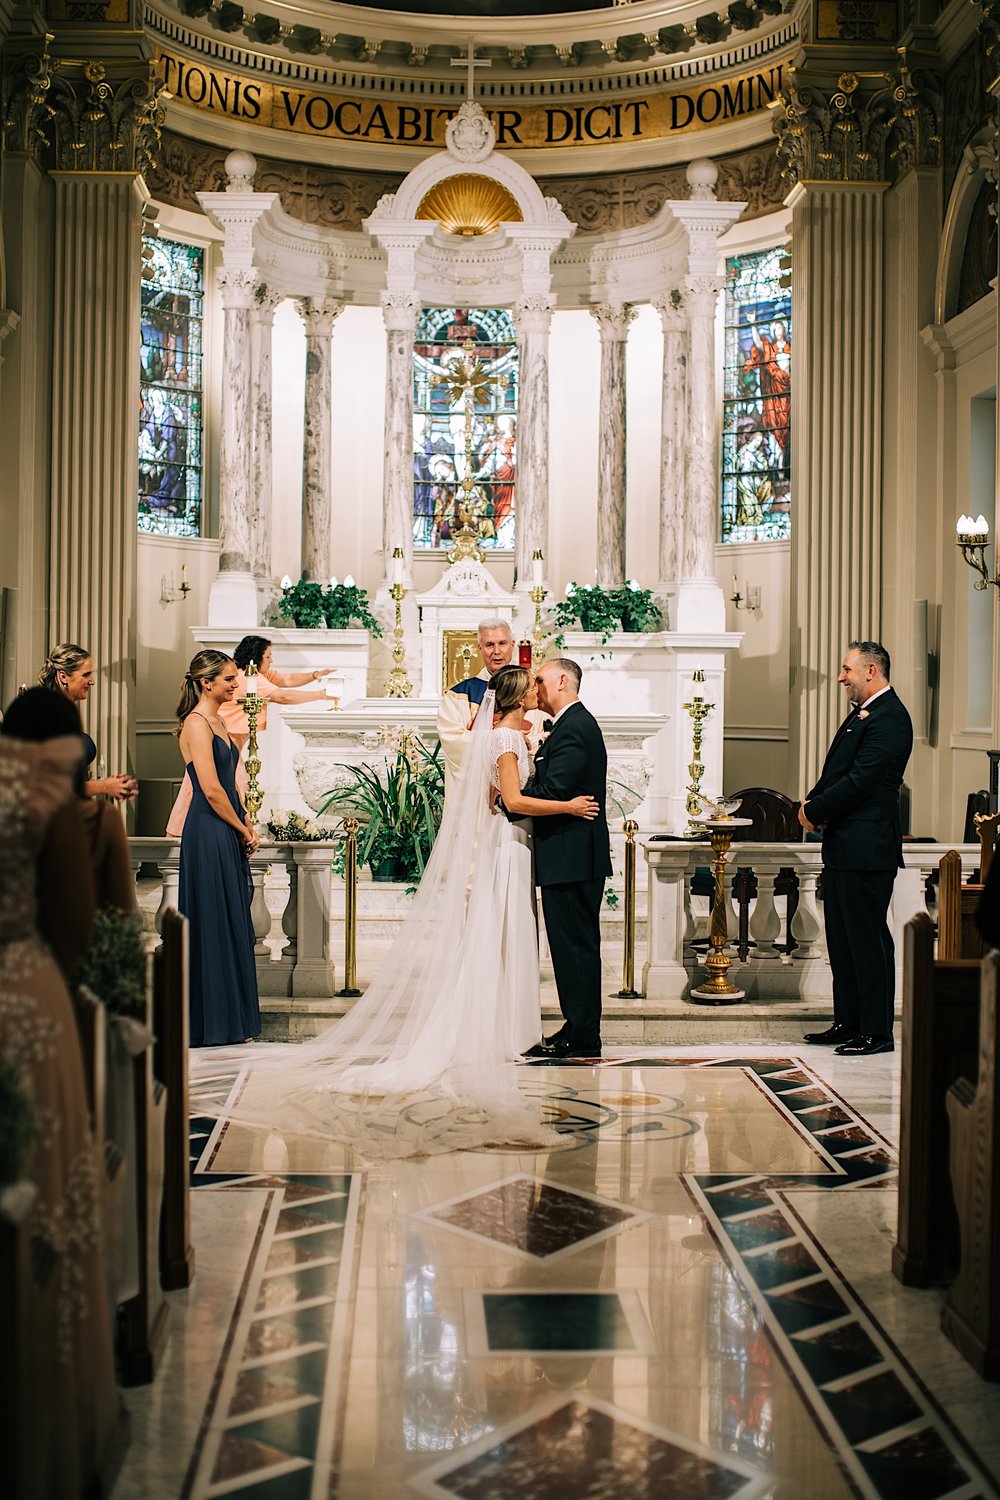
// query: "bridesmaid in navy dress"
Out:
[215,876]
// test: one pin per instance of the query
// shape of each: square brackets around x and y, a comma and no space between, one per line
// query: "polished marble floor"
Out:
[690,1297]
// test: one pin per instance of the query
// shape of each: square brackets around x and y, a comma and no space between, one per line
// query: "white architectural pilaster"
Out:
[319,318]
[837,398]
[673,444]
[613,321]
[399,312]
[533,319]
[701,604]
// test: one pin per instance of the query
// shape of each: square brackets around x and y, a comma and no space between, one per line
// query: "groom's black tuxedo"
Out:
[572,862]
[856,801]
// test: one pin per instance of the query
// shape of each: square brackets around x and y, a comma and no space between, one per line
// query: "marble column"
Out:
[700,605]
[95,402]
[319,318]
[837,400]
[399,312]
[612,320]
[673,443]
[261,329]
[533,318]
[234,593]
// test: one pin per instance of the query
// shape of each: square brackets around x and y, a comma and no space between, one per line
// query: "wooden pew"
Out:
[939,1043]
[958,936]
[92,1026]
[971,1314]
[17,1428]
[170,1066]
[142,1323]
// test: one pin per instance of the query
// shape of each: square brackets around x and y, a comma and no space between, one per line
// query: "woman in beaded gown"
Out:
[424,1061]
[71,1407]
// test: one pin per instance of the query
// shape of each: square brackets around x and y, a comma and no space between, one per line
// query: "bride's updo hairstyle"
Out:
[205,667]
[510,685]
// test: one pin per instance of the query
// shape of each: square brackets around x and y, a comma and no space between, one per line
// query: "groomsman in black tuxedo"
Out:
[856,804]
[572,858]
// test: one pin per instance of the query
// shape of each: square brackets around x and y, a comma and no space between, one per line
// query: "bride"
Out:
[424,1061]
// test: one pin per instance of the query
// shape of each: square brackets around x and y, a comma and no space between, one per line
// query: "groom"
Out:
[572,859]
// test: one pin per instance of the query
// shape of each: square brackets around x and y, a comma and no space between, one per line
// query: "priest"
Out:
[460,703]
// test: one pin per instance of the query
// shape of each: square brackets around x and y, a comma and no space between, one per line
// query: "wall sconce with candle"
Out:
[169,592]
[750,600]
[973,537]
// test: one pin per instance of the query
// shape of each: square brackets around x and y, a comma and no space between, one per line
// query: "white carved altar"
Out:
[465,594]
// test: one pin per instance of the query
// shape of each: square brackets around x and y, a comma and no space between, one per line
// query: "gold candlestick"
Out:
[398,685]
[537,596]
[699,711]
[253,704]
[717,989]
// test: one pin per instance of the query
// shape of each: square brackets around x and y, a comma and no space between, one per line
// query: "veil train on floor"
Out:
[419,1064]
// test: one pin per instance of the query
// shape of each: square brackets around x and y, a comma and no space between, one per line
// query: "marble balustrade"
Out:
[293,877]
[292,889]
[676,919]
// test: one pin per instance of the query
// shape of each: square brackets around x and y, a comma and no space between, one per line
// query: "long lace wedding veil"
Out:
[419,1064]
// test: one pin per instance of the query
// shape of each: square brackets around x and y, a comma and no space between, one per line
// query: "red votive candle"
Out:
[524,654]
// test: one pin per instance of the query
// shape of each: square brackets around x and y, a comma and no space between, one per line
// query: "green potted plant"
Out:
[114,965]
[399,804]
[335,606]
[605,611]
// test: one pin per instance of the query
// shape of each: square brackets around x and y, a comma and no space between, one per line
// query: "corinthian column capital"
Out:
[105,119]
[400,311]
[26,112]
[238,285]
[319,317]
[702,294]
[613,319]
[673,314]
[835,135]
[534,314]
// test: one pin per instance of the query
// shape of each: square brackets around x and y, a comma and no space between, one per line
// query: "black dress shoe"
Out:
[565,1048]
[557,1036]
[838,1032]
[866,1046]
[540,1049]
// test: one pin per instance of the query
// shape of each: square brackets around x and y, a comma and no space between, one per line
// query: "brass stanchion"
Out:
[253,705]
[350,990]
[628,990]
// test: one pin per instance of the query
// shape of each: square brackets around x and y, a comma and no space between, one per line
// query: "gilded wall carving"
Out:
[871,128]
[342,199]
[968,107]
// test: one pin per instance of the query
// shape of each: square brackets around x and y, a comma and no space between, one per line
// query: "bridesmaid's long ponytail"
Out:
[205,667]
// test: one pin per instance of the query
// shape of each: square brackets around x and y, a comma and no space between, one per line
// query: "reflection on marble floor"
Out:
[691,1298]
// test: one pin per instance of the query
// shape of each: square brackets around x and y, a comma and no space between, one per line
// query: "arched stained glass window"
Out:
[757,399]
[464,423]
[170,388]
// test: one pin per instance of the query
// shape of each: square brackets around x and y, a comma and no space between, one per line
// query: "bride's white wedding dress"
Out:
[424,1061]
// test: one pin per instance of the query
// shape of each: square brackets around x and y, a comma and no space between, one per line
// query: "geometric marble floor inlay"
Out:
[583,1448]
[532,1217]
[653,1307]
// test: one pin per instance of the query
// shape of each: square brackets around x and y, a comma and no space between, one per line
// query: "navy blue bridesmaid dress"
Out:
[215,891]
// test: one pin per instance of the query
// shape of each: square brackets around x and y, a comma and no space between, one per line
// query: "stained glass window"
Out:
[170,421]
[464,423]
[757,399]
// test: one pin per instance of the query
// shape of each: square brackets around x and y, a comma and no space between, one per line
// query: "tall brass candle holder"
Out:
[717,989]
[253,705]
[398,685]
[699,711]
[537,594]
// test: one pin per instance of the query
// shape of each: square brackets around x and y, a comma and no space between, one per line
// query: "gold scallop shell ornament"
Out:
[469,204]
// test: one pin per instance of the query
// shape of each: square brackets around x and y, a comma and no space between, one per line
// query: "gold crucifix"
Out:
[466,381]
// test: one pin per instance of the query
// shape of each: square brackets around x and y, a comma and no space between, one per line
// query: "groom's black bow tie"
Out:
[546,726]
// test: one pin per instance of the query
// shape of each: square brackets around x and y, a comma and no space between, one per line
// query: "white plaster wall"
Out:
[757,687]
[574,400]
[644,382]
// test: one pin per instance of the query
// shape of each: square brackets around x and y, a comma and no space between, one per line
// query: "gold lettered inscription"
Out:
[346,118]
